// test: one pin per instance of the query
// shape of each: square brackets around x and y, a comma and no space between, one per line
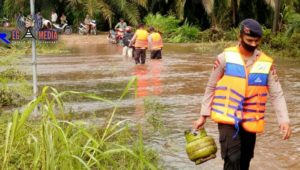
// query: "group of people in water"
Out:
[136,44]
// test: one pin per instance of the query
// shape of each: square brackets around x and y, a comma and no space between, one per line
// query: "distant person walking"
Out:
[155,44]
[140,41]
[53,17]
[121,25]
[88,23]
[63,19]
[127,50]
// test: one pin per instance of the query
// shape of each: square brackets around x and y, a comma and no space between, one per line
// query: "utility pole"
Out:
[34,63]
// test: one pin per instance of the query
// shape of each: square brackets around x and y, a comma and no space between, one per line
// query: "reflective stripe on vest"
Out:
[156,41]
[141,39]
[240,97]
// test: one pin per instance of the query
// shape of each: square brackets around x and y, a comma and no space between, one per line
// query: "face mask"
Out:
[248,47]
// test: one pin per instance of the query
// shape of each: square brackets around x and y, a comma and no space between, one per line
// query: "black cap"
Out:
[251,27]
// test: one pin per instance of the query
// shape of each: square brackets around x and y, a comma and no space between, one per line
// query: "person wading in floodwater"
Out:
[140,41]
[236,96]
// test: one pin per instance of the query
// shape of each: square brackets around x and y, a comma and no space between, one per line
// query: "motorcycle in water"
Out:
[5,22]
[63,28]
[112,37]
[116,37]
[84,30]
[120,35]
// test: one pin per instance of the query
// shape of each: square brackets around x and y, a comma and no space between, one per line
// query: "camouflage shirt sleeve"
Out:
[217,73]
[276,97]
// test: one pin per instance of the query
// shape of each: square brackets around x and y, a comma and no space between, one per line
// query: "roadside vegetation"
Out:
[51,143]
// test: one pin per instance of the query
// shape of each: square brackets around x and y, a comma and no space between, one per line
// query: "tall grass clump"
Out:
[185,33]
[154,110]
[164,24]
[14,89]
[50,143]
[170,28]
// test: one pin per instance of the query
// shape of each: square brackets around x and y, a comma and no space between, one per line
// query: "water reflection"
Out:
[155,70]
[148,83]
[141,72]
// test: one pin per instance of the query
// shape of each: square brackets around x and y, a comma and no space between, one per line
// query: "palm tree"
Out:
[219,12]
[234,8]
[180,8]
[128,9]
[276,16]
[209,8]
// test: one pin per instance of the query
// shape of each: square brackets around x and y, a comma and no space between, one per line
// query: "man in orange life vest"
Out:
[155,43]
[236,96]
[140,41]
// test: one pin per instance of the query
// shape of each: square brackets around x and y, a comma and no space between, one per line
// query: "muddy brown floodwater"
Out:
[178,82]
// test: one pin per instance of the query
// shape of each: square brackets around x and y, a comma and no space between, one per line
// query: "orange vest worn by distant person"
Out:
[141,39]
[241,95]
[157,43]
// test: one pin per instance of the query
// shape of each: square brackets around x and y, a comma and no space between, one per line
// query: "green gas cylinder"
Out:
[199,147]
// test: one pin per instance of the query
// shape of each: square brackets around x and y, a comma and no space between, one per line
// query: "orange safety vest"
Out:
[156,41]
[141,39]
[241,94]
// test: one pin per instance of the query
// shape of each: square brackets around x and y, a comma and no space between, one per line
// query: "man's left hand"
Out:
[285,130]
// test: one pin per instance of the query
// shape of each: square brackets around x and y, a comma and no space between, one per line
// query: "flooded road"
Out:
[176,82]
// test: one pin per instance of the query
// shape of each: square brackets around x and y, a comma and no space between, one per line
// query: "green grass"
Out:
[14,89]
[51,143]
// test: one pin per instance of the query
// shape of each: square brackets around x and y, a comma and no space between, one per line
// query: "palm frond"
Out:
[106,11]
[73,3]
[271,3]
[143,3]
[90,7]
[132,13]
[208,6]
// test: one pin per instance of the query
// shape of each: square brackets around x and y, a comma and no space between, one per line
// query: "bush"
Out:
[283,46]
[164,24]
[279,42]
[205,35]
[9,97]
[11,74]
[13,95]
[267,35]
[185,33]
[212,34]
[231,35]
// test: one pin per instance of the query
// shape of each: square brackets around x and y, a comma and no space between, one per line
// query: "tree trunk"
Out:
[213,21]
[234,7]
[276,16]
